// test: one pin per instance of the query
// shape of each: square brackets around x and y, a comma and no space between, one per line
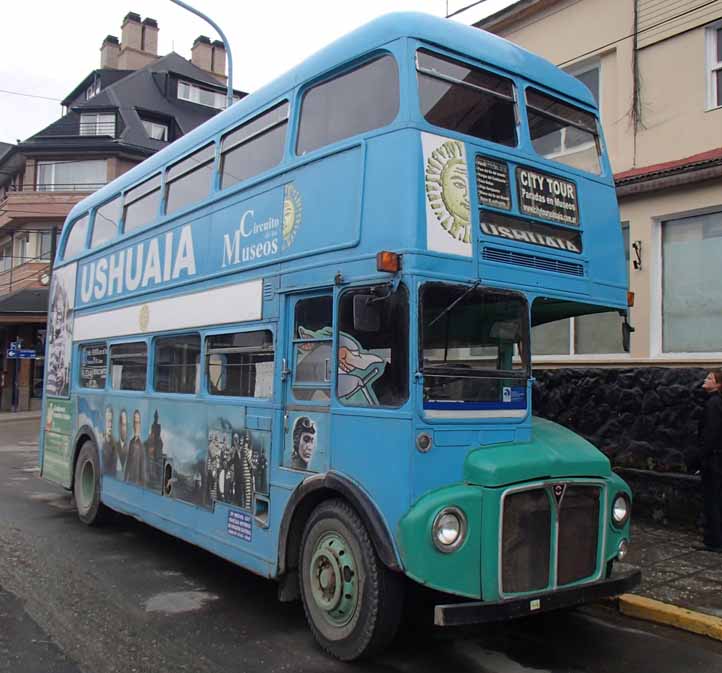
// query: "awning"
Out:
[25,306]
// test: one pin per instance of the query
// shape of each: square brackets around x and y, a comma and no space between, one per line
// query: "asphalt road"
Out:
[126,598]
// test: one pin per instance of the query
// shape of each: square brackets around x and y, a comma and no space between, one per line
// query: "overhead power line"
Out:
[463,9]
[30,95]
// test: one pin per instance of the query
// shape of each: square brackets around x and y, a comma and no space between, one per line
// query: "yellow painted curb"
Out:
[663,613]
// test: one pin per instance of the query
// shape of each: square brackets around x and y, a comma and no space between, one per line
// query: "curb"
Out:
[671,615]
[9,417]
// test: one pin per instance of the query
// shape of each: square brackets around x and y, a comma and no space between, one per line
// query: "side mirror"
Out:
[366,313]
[627,330]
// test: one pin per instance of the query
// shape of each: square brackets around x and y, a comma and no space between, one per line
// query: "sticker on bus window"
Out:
[446,181]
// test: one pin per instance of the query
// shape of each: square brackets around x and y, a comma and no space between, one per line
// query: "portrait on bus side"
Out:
[60,331]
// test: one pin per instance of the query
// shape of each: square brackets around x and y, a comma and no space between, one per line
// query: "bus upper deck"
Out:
[511,173]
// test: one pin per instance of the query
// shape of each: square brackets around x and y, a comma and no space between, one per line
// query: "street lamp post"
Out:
[229,86]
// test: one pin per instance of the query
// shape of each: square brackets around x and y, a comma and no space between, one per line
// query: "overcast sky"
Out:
[48,47]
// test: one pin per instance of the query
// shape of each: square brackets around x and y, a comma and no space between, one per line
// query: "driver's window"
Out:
[312,344]
[373,347]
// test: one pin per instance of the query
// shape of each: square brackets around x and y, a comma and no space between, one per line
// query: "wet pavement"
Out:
[673,571]
[125,598]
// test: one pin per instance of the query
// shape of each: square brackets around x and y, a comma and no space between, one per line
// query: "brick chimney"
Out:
[218,61]
[138,42]
[109,52]
[202,53]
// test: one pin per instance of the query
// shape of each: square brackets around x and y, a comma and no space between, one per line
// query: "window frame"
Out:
[206,352]
[712,66]
[435,50]
[97,125]
[343,71]
[168,180]
[90,344]
[152,383]
[70,231]
[54,186]
[4,248]
[124,342]
[96,209]
[126,203]
[195,87]
[152,124]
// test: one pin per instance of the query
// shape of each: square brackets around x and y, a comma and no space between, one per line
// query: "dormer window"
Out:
[155,130]
[97,124]
[195,94]
[92,90]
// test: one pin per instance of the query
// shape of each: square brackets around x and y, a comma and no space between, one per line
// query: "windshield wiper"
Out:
[454,303]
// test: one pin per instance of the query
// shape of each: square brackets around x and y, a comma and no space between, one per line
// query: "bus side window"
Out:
[105,223]
[312,349]
[189,180]
[128,366]
[141,204]
[176,364]
[240,364]
[373,358]
[93,365]
[254,147]
[76,238]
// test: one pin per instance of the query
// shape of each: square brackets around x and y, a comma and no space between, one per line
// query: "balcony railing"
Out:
[57,187]
[97,128]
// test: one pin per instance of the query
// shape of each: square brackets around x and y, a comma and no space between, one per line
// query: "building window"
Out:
[71,176]
[97,124]
[44,245]
[22,248]
[254,147]
[588,74]
[364,99]
[692,284]
[92,90]
[155,130]
[195,94]
[6,256]
[714,65]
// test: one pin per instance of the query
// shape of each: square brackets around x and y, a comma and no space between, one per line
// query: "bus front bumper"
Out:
[478,612]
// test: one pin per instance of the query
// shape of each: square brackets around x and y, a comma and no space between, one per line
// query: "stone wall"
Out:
[644,419]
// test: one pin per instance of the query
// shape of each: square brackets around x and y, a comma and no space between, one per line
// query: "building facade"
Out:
[135,104]
[655,67]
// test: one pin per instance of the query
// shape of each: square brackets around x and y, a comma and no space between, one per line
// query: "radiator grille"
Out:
[526,541]
[532,261]
[578,533]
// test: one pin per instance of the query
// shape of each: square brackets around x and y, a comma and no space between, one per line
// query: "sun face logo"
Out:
[447,189]
[292,213]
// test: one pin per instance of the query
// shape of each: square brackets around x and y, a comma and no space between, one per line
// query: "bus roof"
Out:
[467,40]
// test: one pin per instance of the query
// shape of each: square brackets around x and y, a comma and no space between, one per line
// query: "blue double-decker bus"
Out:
[299,337]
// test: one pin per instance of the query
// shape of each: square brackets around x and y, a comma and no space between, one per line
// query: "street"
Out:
[128,598]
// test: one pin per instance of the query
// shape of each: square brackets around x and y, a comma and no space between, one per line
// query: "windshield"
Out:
[474,348]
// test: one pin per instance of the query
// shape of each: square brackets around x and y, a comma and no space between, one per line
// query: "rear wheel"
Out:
[86,486]
[352,601]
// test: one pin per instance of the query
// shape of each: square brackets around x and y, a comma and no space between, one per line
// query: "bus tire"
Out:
[353,603]
[86,486]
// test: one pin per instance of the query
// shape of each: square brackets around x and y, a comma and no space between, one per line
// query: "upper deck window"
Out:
[105,224]
[254,147]
[76,238]
[189,180]
[562,132]
[141,204]
[460,97]
[363,99]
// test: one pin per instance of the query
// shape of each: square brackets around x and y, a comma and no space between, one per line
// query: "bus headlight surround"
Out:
[621,508]
[448,531]
[623,550]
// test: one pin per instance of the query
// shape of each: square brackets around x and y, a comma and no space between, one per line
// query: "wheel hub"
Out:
[333,579]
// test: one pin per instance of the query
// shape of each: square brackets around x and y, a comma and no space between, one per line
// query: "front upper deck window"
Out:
[76,238]
[460,97]
[562,132]
[474,346]
[358,101]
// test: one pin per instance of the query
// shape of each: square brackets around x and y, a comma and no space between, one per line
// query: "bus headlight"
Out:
[620,510]
[449,529]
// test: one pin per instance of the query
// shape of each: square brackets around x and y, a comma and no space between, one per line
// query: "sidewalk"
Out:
[9,416]
[686,581]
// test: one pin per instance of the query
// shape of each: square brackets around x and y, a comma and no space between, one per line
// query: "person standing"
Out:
[135,465]
[710,439]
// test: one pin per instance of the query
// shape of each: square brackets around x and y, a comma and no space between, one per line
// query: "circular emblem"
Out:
[292,212]
[447,189]
[144,317]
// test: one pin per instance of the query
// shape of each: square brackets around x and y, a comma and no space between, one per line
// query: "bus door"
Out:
[307,372]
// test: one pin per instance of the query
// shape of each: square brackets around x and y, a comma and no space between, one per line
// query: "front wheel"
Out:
[352,601]
[86,486]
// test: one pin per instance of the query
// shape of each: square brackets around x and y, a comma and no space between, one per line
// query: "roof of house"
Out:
[694,162]
[5,149]
[139,91]
[514,12]
[29,300]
